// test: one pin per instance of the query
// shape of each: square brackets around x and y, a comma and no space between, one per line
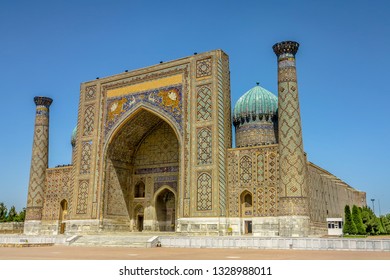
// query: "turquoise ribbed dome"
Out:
[254,105]
[73,138]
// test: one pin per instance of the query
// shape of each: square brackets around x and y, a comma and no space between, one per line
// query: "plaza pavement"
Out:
[59,252]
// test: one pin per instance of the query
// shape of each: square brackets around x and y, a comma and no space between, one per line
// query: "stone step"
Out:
[116,241]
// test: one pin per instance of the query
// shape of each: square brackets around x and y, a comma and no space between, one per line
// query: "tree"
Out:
[349,225]
[386,223]
[22,215]
[357,219]
[12,214]
[380,228]
[3,212]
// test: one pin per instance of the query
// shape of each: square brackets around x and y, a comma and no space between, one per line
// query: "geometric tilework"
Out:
[117,191]
[246,169]
[159,147]
[260,168]
[204,192]
[203,68]
[131,134]
[39,159]
[292,159]
[272,168]
[233,204]
[82,197]
[204,103]
[89,120]
[58,188]
[204,146]
[90,93]
[267,201]
[292,166]
[86,153]
[258,176]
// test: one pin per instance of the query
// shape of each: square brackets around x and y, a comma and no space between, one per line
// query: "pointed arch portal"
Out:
[141,155]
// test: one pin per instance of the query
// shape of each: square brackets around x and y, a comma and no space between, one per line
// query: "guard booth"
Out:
[335,226]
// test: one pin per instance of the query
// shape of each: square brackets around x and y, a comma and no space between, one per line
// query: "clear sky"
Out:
[49,47]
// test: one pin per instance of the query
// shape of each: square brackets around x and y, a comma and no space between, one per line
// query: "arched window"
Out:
[139,190]
[248,200]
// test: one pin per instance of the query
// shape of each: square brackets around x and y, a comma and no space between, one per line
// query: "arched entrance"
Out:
[246,209]
[142,155]
[63,215]
[165,206]
[139,218]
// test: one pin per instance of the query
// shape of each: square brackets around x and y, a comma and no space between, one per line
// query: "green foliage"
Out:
[386,223]
[12,215]
[3,212]
[357,219]
[349,225]
[22,215]
[373,224]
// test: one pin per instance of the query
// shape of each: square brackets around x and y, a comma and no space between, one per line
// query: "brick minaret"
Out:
[39,162]
[293,202]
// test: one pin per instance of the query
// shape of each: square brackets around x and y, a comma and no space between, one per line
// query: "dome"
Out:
[255,104]
[73,138]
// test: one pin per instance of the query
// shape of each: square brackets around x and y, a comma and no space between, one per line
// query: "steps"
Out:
[132,241]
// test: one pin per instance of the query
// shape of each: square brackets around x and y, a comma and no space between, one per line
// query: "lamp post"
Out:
[373,205]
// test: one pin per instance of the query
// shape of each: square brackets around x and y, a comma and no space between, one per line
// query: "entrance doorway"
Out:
[140,223]
[139,218]
[248,227]
[165,210]
[63,216]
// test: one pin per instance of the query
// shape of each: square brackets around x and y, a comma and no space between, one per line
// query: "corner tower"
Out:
[39,164]
[293,201]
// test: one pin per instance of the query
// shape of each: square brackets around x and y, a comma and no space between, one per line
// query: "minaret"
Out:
[39,164]
[293,201]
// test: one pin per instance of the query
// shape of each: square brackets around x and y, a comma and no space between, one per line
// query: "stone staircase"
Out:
[133,241]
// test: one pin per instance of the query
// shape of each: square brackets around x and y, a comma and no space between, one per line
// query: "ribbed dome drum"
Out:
[255,118]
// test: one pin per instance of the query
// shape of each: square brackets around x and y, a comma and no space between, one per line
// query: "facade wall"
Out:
[329,195]
[58,189]
[256,170]
[198,113]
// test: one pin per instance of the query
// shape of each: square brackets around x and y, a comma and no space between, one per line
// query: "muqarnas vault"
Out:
[152,152]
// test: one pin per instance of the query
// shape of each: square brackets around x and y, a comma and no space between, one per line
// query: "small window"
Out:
[139,190]
[248,200]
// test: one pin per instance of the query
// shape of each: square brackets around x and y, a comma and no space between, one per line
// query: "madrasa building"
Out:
[152,152]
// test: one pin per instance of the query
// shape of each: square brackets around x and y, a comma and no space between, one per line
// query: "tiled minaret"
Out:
[39,164]
[293,201]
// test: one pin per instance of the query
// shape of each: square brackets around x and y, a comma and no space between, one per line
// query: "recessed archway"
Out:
[139,218]
[246,210]
[142,153]
[165,205]
[63,215]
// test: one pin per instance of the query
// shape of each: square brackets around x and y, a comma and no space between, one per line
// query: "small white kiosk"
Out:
[335,226]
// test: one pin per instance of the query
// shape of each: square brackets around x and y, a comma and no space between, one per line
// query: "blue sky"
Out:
[49,47]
